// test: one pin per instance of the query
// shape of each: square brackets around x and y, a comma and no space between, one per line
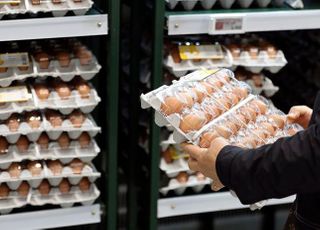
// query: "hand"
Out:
[204,160]
[299,114]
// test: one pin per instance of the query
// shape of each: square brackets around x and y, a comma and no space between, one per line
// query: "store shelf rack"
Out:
[215,202]
[39,28]
[53,218]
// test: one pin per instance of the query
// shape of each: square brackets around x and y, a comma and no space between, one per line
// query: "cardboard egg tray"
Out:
[16,107]
[54,151]
[65,200]
[57,10]
[34,180]
[153,99]
[87,72]
[262,62]
[268,88]
[88,125]
[182,68]
[66,106]
[208,4]
[11,202]
[180,188]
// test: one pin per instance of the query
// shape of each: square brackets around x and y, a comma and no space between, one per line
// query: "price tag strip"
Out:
[227,24]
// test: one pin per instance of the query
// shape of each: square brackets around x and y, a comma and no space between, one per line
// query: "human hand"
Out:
[300,114]
[204,159]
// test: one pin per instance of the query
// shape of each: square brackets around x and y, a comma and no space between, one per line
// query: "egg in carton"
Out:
[58,8]
[8,108]
[10,199]
[183,181]
[179,67]
[74,124]
[65,194]
[65,149]
[66,97]
[12,9]
[257,58]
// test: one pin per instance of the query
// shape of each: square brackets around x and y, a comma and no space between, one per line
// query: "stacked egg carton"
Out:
[207,104]
[208,4]
[47,143]
[58,8]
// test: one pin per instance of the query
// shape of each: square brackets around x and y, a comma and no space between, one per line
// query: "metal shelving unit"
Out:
[203,22]
[107,25]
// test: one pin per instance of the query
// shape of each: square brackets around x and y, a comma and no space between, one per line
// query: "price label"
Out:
[227,24]
[14,93]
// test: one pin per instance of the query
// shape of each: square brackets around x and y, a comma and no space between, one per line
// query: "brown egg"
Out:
[272,51]
[56,1]
[253,51]
[35,2]
[268,127]
[171,105]
[64,141]
[182,177]
[3,69]
[280,120]
[208,87]
[249,142]
[232,126]
[257,80]
[42,91]
[77,1]
[224,102]
[13,122]
[212,112]
[4,190]
[233,99]
[260,105]
[83,88]
[23,189]
[63,90]
[35,167]
[84,140]
[167,156]
[22,144]
[207,138]
[4,145]
[242,120]
[235,50]
[15,170]
[240,92]
[186,99]
[199,94]
[200,176]
[14,4]
[192,122]
[84,184]
[44,188]
[55,166]
[54,117]
[223,131]
[43,141]
[23,68]
[63,58]
[64,186]
[34,119]
[84,55]
[76,165]
[43,59]
[291,131]
[215,82]
[260,133]
[249,114]
[77,118]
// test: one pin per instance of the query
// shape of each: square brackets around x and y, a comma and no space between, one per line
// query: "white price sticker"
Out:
[227,24]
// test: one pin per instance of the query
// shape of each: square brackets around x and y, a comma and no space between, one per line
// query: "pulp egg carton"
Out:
[262,62]
[54,151]
[88,126]
[58,10]
[7,204]
[66,106]
[179,188]
[208,4]
[75,195]
[190,109]
[182,68]
[16,107]
[34,180]
[268,88]
[54,69]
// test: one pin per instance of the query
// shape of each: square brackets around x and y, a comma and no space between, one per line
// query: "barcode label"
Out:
[14,59]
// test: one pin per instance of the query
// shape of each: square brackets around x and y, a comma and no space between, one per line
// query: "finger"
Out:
[216,187]
[193,164]
[293,116]
[193,150]
[219,143]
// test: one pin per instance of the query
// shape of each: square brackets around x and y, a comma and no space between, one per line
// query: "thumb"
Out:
[293,116]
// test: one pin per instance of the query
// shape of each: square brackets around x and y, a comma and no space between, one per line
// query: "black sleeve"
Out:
[290,165]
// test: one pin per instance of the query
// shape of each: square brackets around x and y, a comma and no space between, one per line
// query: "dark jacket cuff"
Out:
[224,163]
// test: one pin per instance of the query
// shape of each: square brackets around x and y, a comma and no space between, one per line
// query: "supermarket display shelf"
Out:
[53,218]
[214,202]
[241,21]
[39,28]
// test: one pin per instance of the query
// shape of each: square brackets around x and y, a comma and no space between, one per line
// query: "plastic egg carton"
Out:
[88,126]
[182,68]
[179,188]
[53,152]
[34,180]
[57,10]
[65,200]
[11,202]
[208,4]
[66,106]
[262,62]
